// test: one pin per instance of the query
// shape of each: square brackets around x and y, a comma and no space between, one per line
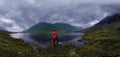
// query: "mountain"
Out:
[105,36]
[108,20]
[48,27]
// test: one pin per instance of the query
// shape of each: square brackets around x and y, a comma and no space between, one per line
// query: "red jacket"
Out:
[54,35]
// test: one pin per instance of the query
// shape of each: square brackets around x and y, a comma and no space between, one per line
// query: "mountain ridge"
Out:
[48,27]
[115,18]
[108,20]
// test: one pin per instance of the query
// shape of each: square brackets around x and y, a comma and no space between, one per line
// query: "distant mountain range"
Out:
[48,27]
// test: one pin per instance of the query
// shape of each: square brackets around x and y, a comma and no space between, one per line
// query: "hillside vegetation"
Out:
[105,37]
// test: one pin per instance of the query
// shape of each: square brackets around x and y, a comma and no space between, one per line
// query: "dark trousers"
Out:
[55,41]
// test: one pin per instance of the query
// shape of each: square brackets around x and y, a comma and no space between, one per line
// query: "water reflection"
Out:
[44,39]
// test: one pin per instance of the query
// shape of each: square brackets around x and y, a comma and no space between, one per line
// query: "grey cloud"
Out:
[26,13]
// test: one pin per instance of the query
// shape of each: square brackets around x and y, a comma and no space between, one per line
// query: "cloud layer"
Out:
[19,15]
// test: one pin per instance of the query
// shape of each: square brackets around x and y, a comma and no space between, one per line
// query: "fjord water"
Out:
[44,39]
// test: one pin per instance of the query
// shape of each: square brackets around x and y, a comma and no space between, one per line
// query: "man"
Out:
[54,36]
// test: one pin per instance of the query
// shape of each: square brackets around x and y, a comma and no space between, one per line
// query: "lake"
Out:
[44,40]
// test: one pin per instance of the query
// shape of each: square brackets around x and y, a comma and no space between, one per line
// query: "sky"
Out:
[19,15]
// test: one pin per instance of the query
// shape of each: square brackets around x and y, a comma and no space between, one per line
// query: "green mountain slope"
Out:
[105,36]
[47,27]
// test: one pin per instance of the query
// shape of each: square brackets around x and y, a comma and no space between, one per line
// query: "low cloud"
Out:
[10,25]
